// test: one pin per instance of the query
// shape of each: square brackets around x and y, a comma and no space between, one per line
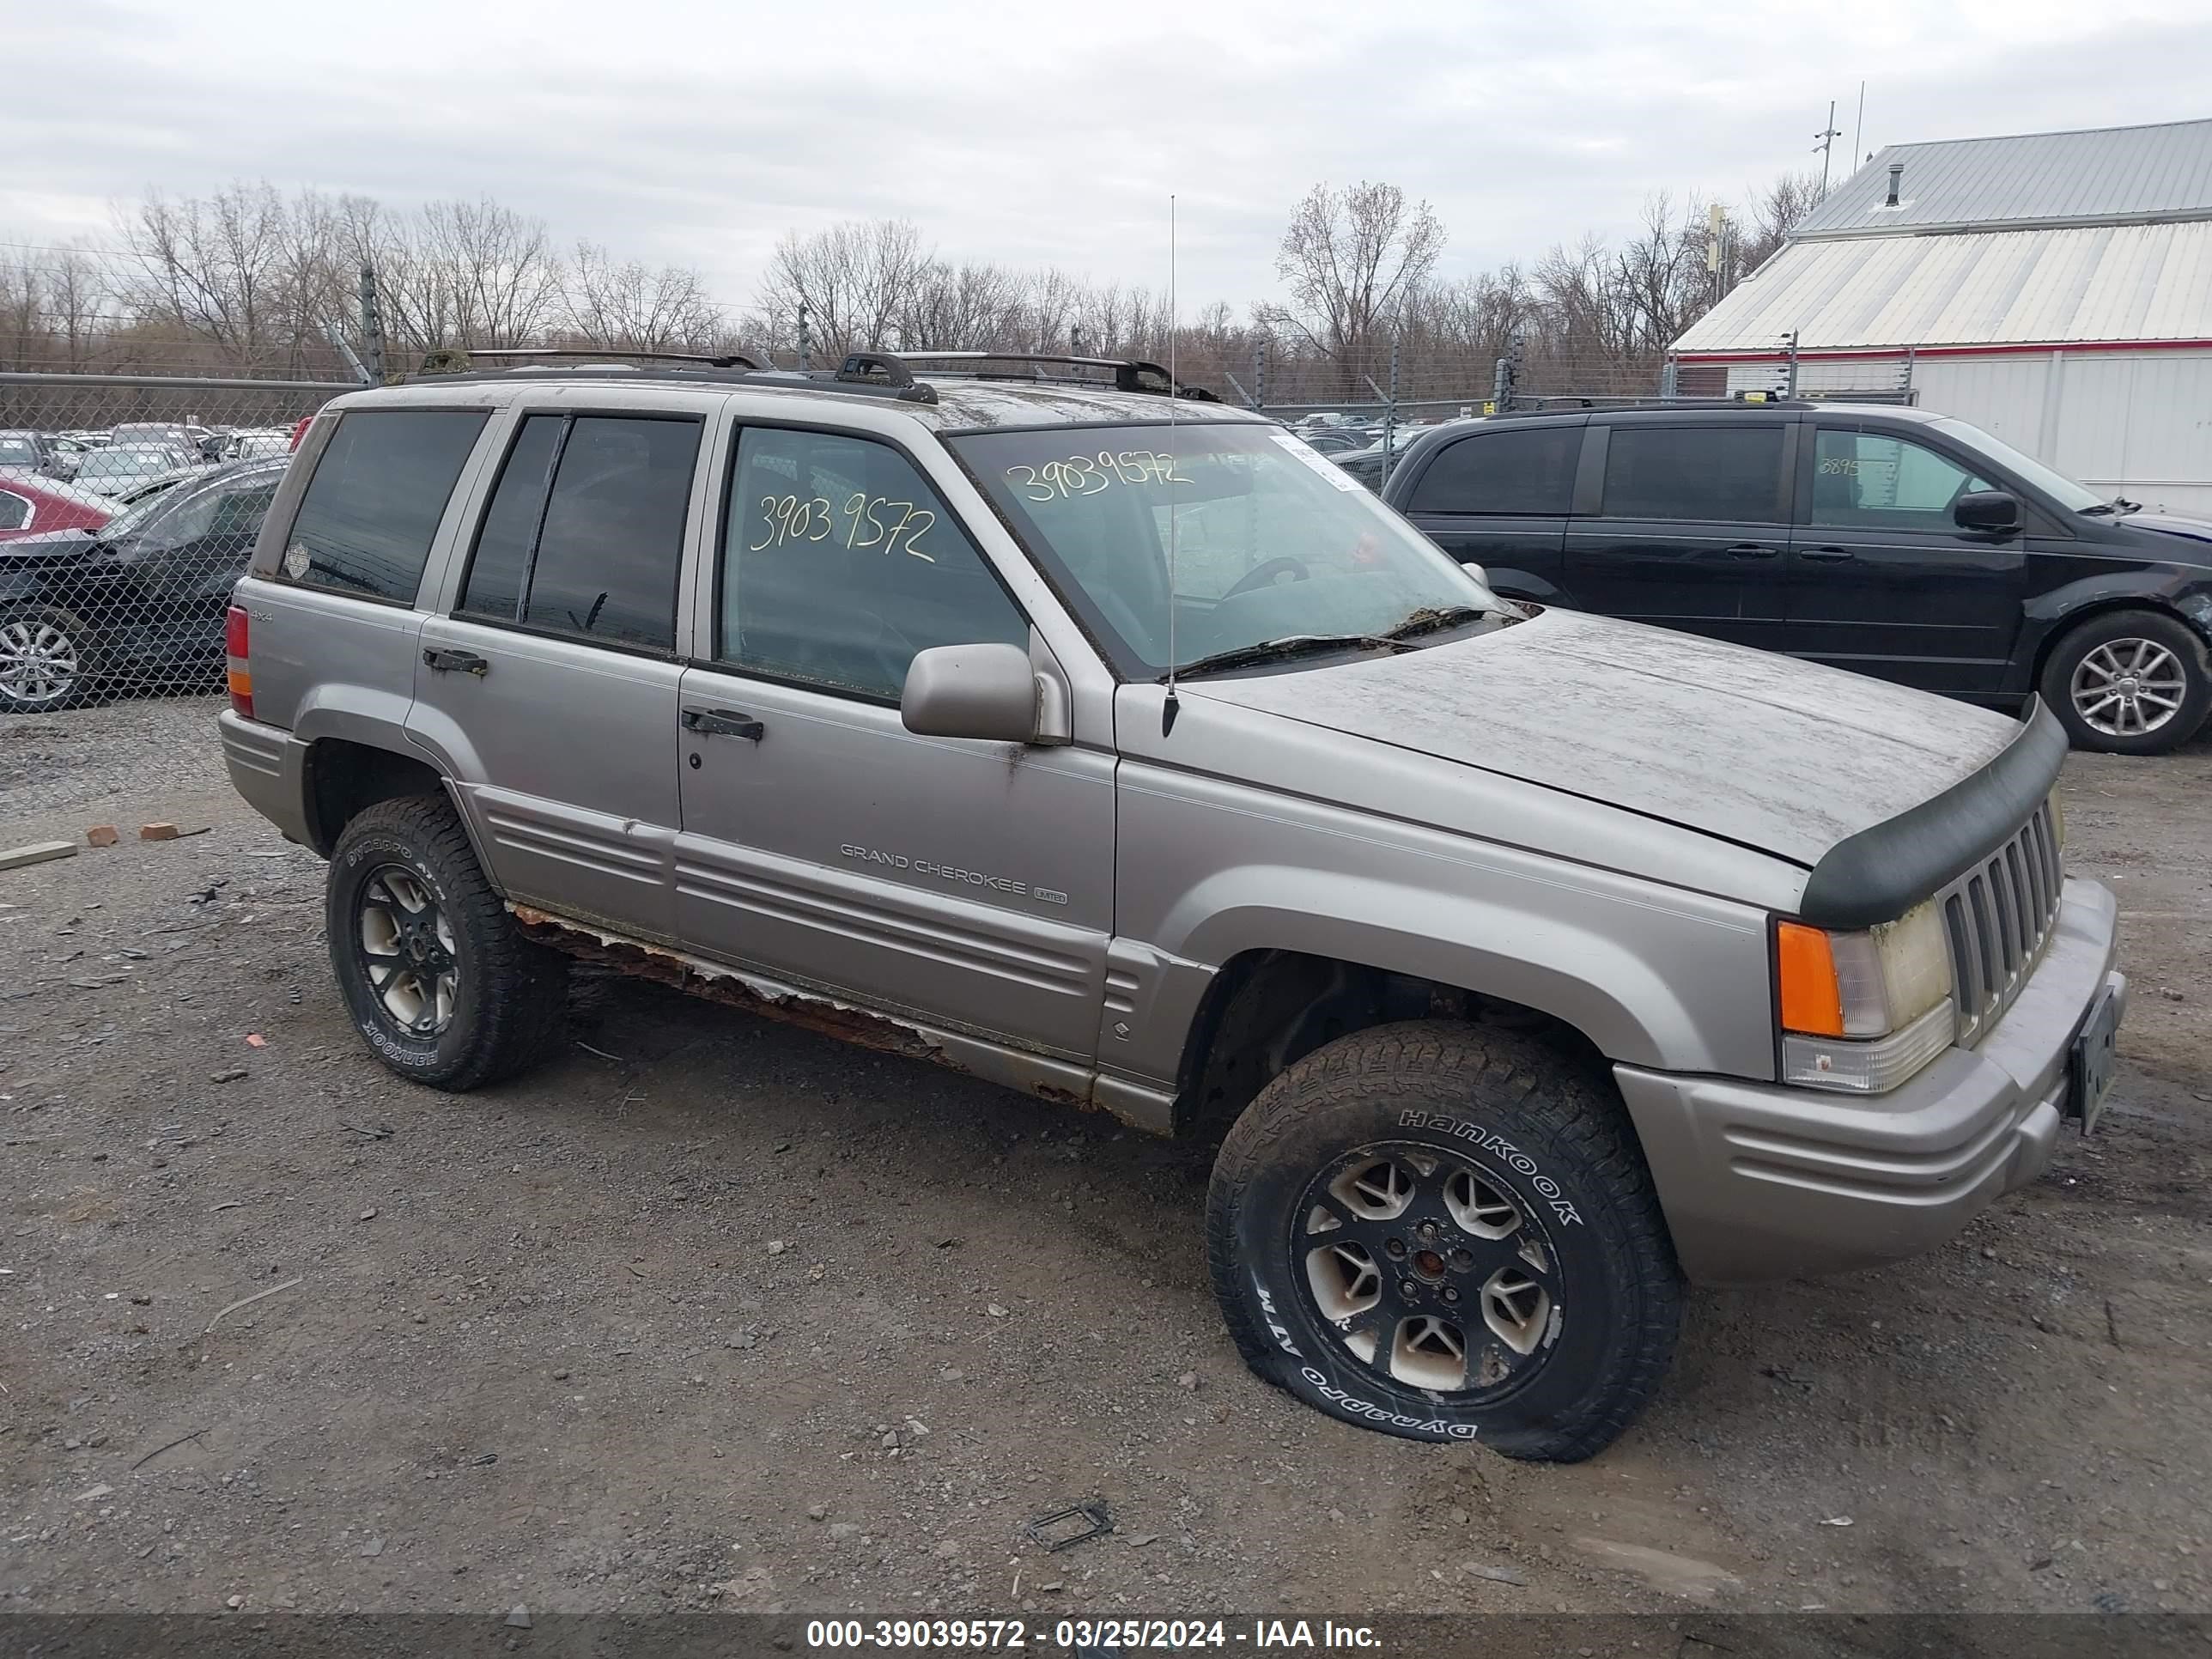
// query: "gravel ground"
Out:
[711,1312]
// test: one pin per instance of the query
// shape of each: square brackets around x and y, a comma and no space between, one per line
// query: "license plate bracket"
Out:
[2089,1062]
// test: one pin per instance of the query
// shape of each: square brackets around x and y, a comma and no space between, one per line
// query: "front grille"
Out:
[1998,916]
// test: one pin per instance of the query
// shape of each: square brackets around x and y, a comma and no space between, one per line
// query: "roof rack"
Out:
[789,380]
[1129,373]
[718,360]
[1567,403]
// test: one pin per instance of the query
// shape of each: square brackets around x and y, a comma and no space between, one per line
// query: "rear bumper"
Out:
[268,767]
[1761,1182]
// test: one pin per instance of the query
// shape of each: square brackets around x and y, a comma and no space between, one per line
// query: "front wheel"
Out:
[49,659]
[438,979]
[1448,1233]
[2130,683]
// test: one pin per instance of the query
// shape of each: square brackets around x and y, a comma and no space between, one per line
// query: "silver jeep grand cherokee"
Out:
[1111,744]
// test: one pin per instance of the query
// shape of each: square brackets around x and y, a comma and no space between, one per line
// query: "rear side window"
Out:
[584,532]
[1729,473]
[371,510]
[1530,473]
[14,511]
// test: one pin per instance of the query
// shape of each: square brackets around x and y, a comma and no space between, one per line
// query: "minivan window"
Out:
[2072,496]
[840,562]
[1530,472]
[1733,474]
[1877,481]
[373,507]
[597,554]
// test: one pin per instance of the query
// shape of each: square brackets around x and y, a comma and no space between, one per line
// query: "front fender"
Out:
[2184,590]
[1686,992]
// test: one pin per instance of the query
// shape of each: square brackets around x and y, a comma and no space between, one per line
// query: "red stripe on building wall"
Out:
[1817,354]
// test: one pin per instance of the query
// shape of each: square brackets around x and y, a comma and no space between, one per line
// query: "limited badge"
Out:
[296,561]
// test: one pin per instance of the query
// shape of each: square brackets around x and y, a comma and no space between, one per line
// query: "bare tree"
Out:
[1774,213]
[854,279]
[612,304]
[1353,258]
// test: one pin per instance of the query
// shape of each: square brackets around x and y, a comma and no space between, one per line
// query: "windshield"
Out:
[1270,541]
[126,463]
[18,452]
[2060,488]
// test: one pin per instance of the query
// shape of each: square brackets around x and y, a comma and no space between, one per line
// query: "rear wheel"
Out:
[439,981]
[2130,683]
[48,660]
[1446,1233]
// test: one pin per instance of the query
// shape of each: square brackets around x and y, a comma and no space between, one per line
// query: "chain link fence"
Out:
[128,505]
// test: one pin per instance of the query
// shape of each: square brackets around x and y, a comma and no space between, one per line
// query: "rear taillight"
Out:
[241,672]
[301,431]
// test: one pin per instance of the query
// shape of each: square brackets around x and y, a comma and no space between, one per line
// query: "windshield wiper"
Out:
[1291,645]
[1433,619]
[2118,507]
[1398,637]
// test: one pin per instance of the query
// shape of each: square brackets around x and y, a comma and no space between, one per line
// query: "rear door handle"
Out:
[1827,555]
[463,662]
[1751,551]
[724,723]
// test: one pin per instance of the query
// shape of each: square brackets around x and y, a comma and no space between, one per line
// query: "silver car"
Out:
[1113,745]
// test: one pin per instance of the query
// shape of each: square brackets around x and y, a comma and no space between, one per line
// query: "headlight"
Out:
[1862,1012]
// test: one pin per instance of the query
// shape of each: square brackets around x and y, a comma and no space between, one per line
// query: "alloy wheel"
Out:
[39,664]
[408,951]
[2127,688]
[1428,1270]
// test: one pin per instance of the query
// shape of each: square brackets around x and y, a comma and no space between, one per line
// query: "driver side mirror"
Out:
[989,692]
[1986,509]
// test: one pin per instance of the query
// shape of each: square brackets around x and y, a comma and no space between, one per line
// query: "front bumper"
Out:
[1761,1182]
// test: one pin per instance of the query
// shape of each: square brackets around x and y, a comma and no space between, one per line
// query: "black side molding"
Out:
[1882,872]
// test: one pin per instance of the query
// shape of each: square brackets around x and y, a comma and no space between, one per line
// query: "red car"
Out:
[30,507]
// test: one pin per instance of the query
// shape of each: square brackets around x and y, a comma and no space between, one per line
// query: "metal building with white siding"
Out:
[2054,288]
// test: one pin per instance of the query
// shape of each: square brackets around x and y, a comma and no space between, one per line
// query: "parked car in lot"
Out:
[30,505]
[1115,746]
[136,601]
[1897,542]
[120,467]
[33,454]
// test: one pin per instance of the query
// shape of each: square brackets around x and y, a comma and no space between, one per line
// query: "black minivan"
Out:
[1885,539]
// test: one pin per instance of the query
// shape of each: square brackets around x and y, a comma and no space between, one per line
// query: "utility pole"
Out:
[372,327]
[1858,130]
[1823,141]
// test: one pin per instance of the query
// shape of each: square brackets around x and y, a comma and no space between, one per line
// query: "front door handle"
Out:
[723,722]
[463,662]
[1827,555]
[1751,551]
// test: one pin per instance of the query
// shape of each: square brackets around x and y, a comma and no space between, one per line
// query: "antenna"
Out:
[1171,708]
[1823,141]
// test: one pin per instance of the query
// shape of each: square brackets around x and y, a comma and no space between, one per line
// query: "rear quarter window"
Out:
[1529,473]
[372,509]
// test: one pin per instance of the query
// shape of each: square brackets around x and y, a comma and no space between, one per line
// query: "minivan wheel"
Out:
[439,981]
[2130,683]
[48,660]
[1448,1233]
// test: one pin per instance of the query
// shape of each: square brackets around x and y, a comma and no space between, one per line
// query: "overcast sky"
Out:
[1032,133]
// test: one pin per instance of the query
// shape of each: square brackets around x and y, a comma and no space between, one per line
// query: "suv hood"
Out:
[1786,757]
